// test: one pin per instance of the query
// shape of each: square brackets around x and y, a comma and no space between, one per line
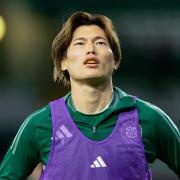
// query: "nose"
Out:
[91,49]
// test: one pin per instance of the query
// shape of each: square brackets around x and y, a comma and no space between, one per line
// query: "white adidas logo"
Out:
[62,133]
[98,163]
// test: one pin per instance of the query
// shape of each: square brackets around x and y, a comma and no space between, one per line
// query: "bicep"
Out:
[168,142]
[22,156]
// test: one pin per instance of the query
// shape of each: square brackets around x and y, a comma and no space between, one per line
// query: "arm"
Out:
[22,156]
[160,135]
[167,141]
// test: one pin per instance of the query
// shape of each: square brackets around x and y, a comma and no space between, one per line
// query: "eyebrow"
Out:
[95,38]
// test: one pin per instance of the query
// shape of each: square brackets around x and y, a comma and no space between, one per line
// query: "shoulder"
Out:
[151,116]
[149,111]
[26,134]
[33,121]
[145,109]
[38,116]
[155,116]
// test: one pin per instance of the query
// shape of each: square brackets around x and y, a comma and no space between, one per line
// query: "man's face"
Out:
[89,56]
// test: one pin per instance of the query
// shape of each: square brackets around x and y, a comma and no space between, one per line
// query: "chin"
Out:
[95,80]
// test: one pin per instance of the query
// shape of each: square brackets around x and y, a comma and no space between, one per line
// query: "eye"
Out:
[101,43]
[79,43]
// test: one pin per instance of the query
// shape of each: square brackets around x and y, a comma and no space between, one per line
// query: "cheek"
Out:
[73,60]
[74,54]
[108,64]
[110,53]
[109,57]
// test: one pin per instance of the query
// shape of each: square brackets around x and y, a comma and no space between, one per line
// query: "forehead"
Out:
[88,31]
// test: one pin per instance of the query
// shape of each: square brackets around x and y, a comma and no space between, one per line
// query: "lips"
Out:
[91,61]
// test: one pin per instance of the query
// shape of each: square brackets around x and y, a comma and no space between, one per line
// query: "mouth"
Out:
[91,61]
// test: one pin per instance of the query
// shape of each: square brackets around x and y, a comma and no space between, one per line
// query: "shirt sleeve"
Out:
[167,139]
[22,155]
[161,137]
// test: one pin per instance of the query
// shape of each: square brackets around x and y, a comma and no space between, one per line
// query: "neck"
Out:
[90,99]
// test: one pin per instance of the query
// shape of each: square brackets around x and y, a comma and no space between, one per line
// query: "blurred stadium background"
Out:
[150,38]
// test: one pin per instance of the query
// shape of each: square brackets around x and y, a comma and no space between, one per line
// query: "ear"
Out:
[116,65]
[63,64]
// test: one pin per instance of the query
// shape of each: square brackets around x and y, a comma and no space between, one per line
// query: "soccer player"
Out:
[96,131]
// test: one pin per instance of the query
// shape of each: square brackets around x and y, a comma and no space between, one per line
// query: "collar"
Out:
[119,102]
